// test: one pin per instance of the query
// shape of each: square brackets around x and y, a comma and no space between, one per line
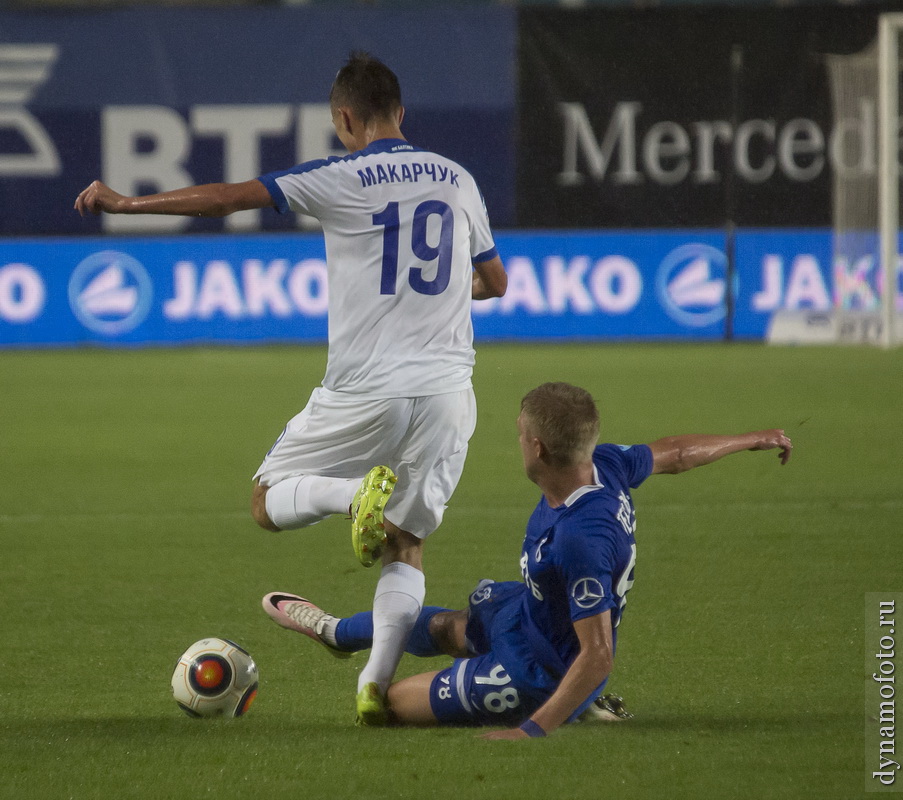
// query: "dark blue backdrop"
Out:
[65,72]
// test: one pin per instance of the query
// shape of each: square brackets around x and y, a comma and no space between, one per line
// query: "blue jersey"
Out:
[577,561]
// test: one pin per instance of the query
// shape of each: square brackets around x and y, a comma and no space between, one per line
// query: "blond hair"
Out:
[565,419]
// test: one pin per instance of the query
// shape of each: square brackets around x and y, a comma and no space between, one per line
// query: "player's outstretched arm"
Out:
[675,454]
[206,200]
[592,666]
[489,279]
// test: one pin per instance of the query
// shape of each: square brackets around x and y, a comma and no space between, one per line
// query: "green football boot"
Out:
[368,527]
[371,707]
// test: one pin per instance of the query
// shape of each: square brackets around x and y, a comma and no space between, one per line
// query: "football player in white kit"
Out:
[408,244]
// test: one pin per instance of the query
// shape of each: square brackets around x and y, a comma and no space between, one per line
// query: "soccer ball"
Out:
[215,678]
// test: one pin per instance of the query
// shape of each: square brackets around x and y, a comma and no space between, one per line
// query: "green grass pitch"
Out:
[125,537]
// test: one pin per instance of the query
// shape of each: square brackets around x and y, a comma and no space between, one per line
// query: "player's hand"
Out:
[770,440]
[509,733]
[99,197]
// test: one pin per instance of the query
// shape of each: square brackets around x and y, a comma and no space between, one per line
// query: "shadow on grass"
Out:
[723,723]
[136,729]
[151,728]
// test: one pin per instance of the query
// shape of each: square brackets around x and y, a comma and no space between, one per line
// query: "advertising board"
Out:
[563,285]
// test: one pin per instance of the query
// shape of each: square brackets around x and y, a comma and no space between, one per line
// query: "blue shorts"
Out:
[481,690]
[489,600]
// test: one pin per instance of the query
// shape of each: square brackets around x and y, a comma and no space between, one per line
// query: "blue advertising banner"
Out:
[593,285]
[805,270]
[150,99]
[126,292]
[123,292]
[581,285]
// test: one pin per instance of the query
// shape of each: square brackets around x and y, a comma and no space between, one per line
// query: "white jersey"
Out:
[403,227]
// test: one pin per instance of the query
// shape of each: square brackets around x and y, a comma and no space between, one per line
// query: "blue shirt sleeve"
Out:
[487,256]
[587,566]
[275,191]
[633,462]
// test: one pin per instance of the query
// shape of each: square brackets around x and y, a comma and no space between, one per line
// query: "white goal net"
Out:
[866,98]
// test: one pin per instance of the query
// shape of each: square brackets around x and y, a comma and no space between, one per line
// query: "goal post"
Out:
[865,87]
[889,28]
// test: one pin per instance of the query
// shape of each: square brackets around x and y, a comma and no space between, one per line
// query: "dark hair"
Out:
[367,86]
[565,419]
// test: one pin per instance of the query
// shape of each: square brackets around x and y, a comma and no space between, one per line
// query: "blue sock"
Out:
[356,633]
[421,642]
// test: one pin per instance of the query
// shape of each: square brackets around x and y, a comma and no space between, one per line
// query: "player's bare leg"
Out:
[259,507]
[447,629]
[408,700]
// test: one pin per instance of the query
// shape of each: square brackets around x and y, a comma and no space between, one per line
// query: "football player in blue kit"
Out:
[408,246]
[535,654]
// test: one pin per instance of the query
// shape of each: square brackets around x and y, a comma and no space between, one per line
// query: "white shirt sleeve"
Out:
[482,245]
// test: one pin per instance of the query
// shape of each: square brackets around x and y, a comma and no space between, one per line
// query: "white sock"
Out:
[305,500]
[396,605]
[326,629]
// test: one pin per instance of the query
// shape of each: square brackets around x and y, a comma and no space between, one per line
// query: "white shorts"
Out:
[423,439]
